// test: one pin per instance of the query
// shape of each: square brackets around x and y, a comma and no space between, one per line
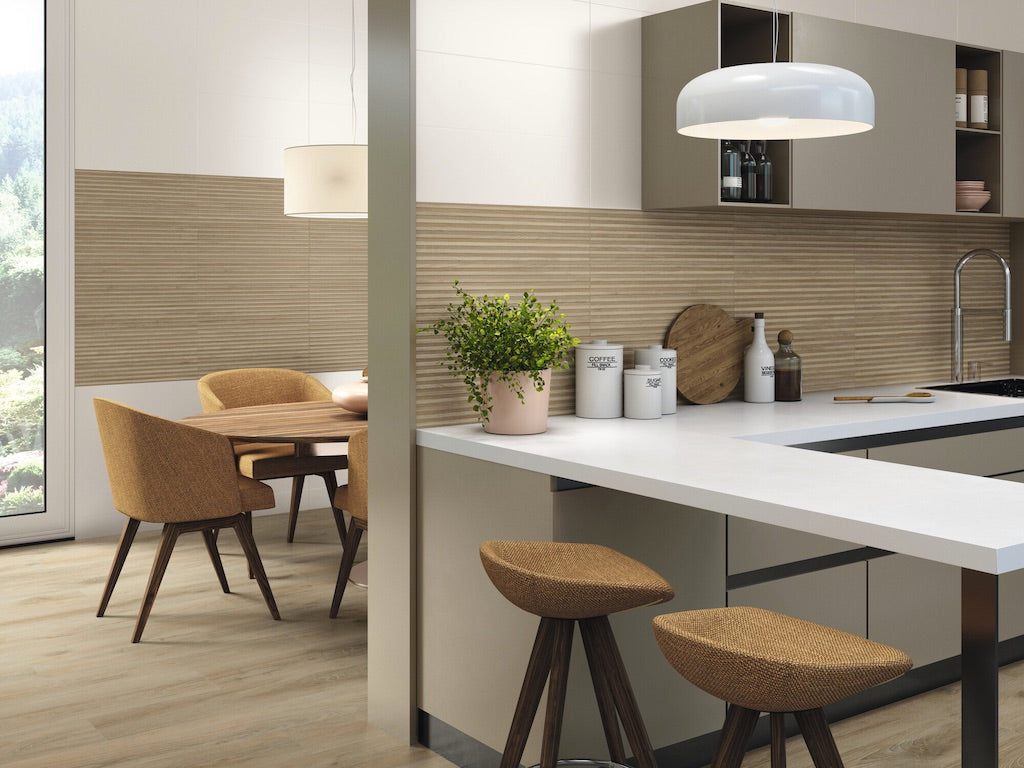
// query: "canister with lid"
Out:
[664,358]
[599,380]
[643,393]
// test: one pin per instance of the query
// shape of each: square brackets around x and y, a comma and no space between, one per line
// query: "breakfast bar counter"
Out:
[660,489]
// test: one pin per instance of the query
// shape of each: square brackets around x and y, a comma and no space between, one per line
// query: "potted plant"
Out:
[504,352]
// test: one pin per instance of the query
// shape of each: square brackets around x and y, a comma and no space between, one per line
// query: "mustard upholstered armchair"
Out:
[352,497]
[240,387]
[183,477]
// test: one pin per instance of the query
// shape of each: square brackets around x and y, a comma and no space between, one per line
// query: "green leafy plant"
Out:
[22,502]
[27,475]
[491,336]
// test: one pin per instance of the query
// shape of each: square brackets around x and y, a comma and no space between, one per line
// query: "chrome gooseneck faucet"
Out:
[957,344]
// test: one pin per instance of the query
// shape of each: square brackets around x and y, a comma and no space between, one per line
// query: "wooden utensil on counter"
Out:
[709,344]
[910,397]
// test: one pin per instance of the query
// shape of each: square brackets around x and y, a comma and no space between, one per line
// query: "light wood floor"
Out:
[215,681]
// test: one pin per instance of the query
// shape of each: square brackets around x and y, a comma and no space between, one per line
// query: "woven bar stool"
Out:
[760,661]
[565,583]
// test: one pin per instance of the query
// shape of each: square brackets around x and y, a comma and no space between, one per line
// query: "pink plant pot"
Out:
[512,416]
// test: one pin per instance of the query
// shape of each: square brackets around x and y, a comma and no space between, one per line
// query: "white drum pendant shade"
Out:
[326,181]
[782,100]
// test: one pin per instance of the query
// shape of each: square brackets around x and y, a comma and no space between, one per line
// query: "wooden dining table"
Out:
[306,424]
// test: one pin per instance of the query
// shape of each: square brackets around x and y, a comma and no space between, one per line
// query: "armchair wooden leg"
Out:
[293,509]
[168,537]
[348,557]
[127,537]
[210,539]
[331,483]
[242,530]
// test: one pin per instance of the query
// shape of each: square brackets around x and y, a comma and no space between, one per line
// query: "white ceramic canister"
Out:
[643,393]
[657,356]
[599,380]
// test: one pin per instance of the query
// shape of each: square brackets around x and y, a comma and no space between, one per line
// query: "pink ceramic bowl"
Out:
[972,200]
[353,396]
[965,185]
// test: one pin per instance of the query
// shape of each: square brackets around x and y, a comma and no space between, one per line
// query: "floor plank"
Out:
[214,682]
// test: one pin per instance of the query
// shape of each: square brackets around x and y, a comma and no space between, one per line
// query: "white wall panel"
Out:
[551,32]
[135,85]
[615,40]
[486,95]
[615,141]
[213,88]
[513,168]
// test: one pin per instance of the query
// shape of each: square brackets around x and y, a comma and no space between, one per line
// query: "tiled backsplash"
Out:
[867,299]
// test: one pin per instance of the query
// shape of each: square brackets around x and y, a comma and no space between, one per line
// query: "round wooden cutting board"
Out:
[710,346]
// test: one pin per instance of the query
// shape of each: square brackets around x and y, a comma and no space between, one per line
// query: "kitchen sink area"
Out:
[1009,387]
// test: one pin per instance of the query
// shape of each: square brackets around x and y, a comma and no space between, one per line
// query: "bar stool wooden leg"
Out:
[605,702]
[603,642]
[818,737]
[736,733]
[558,681]
[778,727]
[529,697]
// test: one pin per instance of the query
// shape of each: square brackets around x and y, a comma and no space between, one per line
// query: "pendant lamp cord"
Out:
[775,30]
[352,72]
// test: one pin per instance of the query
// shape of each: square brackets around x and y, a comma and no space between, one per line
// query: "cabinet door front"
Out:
[907,163]
[1013,135]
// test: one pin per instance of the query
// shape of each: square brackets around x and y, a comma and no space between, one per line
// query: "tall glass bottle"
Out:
[787,370]
[748,170]
[732,181]
[759,367]
[763,173]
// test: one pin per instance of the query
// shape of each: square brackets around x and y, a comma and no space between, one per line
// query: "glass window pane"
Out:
[22,237]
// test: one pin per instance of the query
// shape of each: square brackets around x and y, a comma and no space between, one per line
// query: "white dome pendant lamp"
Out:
[777,100]
[328,181]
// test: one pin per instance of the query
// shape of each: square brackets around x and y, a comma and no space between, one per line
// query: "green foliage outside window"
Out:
[22,292]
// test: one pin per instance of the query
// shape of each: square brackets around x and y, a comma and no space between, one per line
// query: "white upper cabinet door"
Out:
[907,163]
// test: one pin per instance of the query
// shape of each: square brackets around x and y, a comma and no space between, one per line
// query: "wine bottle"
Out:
[763,180]
[759,367]
[732,181]
[748,170]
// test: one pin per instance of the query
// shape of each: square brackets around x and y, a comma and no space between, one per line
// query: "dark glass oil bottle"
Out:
[732,181]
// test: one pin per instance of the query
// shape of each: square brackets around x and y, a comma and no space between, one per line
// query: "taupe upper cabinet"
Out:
[907,163]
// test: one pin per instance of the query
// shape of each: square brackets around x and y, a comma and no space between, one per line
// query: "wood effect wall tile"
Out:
[179,275]
[868,298]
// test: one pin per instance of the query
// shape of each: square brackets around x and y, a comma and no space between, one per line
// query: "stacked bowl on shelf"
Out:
[971,195]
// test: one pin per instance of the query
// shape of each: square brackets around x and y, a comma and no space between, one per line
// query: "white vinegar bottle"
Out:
[759,367]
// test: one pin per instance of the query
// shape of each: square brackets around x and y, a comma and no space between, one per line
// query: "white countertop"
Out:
[735,458]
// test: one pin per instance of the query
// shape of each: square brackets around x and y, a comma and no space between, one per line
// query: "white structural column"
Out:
[392,304]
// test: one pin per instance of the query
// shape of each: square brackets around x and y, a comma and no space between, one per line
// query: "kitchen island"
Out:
[662,490]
